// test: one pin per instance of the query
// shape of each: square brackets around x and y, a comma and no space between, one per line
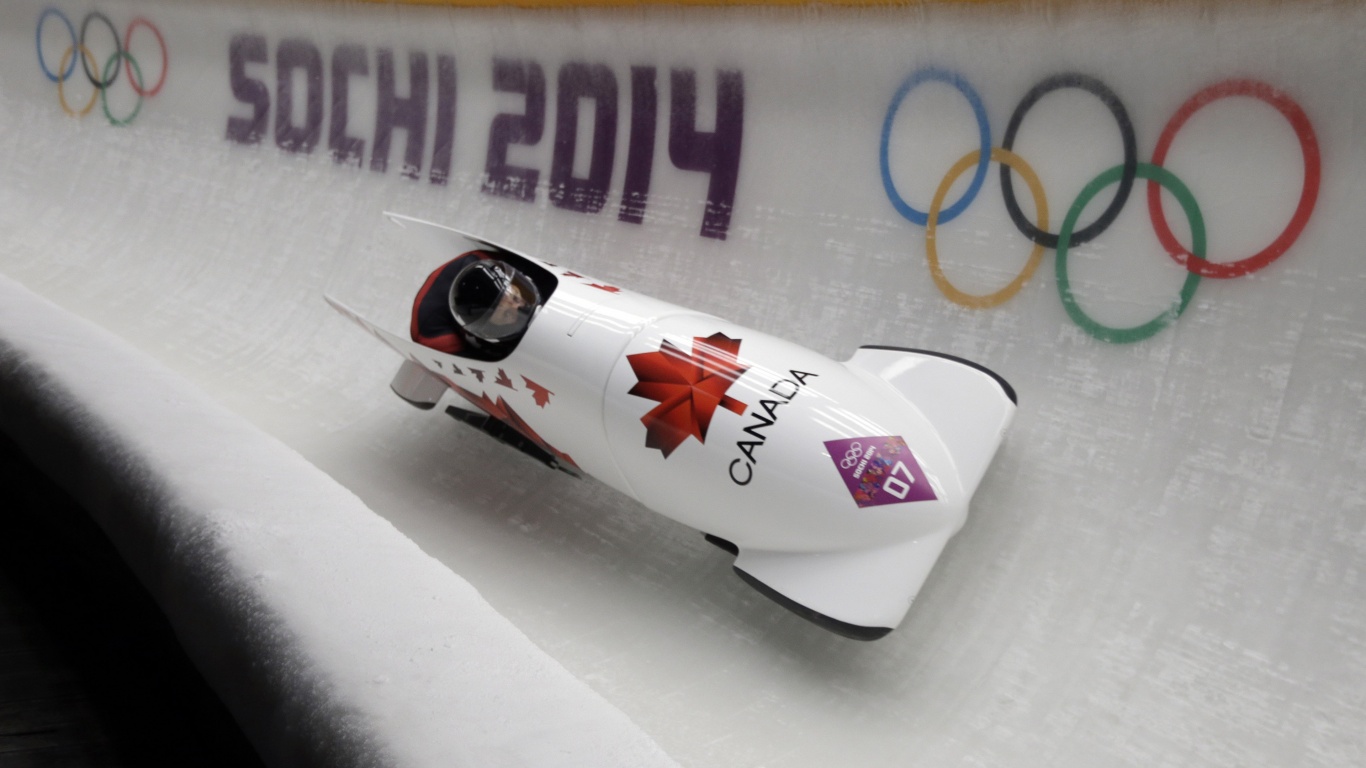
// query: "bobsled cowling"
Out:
[836,485]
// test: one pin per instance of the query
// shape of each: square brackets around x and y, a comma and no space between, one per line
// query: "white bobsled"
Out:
[835,485]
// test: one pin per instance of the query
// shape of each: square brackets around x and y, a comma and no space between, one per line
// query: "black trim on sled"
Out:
[506,434]
[841,628]
[722,543]
[1010,391]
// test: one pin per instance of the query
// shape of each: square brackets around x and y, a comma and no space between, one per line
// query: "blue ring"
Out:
[38,43]
[984,130]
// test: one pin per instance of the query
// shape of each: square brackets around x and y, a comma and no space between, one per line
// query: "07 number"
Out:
[895,485]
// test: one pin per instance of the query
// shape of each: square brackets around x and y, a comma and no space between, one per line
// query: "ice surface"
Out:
[1164,564]
[333,638]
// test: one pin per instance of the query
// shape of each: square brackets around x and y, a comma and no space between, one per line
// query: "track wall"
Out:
[1163,564]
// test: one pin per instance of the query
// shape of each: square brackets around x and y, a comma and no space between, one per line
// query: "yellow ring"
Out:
[950,291]
[61,95]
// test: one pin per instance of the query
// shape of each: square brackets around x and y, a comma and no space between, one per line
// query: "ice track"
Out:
[1164,566]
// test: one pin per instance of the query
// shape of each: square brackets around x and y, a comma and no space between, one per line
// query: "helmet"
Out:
[493,302]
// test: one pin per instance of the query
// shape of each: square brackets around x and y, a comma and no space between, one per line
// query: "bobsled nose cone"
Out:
[969,405]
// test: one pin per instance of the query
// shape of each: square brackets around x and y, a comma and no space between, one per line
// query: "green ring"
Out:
[1149,329]
[104,92]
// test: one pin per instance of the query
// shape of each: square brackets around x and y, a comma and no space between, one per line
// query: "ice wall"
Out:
[1163,566]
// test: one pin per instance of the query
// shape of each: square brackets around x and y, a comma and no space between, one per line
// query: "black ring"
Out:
[1126,180]
[118,49]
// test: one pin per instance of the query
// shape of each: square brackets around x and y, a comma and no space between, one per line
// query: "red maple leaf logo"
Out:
[539,394]
[687,387]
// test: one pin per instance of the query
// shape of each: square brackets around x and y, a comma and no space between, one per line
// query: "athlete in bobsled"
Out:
[835,485]
[474,306]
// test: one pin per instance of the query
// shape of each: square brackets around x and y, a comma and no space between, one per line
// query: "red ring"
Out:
[127,46]
[1309,146]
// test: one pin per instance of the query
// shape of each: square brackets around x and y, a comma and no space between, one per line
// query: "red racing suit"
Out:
[433,324]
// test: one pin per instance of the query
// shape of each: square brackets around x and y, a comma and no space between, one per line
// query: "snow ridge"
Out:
[331,637]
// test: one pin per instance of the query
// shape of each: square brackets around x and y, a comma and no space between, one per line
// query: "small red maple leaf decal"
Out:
[608,288]
[538,393]
[687,387]
[503,380]
[478,374]
[503,412]
[571,273]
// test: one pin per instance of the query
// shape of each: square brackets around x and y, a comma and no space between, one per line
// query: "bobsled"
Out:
[835,485]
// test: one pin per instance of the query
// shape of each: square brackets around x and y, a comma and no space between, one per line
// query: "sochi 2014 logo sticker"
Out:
[100,74]
[688,388]
[879,470]
[1123,177]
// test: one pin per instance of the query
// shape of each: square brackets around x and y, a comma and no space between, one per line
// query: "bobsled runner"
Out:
[834,485]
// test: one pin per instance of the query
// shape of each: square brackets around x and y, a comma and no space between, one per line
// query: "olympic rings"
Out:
[1309,193]
[38,41]
[118,49]
[1126,131]
[1193,260]
[1156,175]
[1007,159]
[101,80]
[133,69]
[851,456]
[161,41]
[984,136]
[61,95]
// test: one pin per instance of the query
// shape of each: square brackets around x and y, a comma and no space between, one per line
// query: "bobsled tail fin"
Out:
[416,381]
[861,595]
[390,339]
[969,406]
[409,349]
[443,240]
